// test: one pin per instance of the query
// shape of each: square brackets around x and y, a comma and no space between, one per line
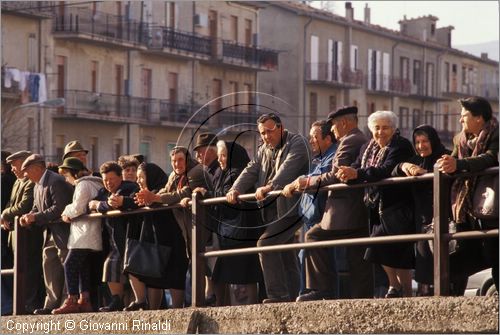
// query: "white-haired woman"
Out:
[389,206]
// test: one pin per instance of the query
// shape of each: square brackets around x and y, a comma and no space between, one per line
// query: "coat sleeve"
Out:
[23,206]
[398,153]
[81,198]
[294,165]
[250,175]
[61,193]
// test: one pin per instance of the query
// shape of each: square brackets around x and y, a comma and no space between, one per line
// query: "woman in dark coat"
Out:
[236,228]
[429,149]
[150,176]
[376,161]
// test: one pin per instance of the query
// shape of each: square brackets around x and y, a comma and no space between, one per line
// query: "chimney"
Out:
[367,14]
[484,55]
[349,11]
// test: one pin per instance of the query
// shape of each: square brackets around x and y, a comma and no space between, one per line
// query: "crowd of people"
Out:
[71,254]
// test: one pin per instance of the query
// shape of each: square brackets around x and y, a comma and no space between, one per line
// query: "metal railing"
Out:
[256,56]
[389,84]
[44,9]
[330,73]
[441,236]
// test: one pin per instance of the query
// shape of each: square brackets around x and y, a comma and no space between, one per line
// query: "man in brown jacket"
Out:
[345,217]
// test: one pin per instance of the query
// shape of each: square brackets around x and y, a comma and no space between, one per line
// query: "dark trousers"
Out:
[77,271]
[319,272]
[280,269]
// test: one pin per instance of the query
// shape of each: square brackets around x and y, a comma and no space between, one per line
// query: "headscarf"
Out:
[156,178]
[461,190]
[438,149]
[237,156]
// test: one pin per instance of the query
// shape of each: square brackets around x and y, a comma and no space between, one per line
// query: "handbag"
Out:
[485,197]
[145,258]
[397,219]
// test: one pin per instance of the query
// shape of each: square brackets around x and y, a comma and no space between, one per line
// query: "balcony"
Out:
[249,56]
[388,85]
[176,42]
[105,107]
[331,75]
[196,115]
[82,23]
[34,9]
[489,91]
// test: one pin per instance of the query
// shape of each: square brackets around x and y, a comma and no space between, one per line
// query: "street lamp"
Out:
[52,103]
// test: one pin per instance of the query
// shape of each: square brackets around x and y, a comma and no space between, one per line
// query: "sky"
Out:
[474,21]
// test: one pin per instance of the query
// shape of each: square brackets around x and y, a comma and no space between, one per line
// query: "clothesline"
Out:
[32,85]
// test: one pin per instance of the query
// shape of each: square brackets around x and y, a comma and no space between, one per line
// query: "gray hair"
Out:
[382,115]
[221,145]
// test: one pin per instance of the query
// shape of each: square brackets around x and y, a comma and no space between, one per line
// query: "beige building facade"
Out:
[137,77]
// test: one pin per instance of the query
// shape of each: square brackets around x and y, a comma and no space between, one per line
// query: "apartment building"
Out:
[136,76]
[333,60]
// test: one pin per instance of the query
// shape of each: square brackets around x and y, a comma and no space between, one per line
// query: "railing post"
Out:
[441,247]
[20,264]
[198,234]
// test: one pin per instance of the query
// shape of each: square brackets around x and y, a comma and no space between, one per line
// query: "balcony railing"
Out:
[196,115]
[164,37]
[31,8]
[255,56]
[106,106]
[330,73]
[83,20]
[389,84]
[489,91]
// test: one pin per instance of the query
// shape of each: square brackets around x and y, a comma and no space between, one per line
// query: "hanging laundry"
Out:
[42,88]
[33,85]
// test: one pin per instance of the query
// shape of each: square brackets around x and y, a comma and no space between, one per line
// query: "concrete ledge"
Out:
[412,315]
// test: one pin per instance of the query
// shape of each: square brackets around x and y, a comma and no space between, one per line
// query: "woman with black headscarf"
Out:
[237,226]
[167,232]
[429,149]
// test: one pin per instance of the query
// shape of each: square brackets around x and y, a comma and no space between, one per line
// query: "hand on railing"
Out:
[412,170]
[185,202]
[346,173]
[299,184]
[6,225]
[261,192]
[232,196]
[447,164]
[66,218]
[27,219]
[145,197]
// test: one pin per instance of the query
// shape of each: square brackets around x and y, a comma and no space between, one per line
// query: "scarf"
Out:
[462,188]
[373,156]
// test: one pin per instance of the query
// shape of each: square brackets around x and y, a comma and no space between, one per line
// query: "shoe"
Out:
[116,304]
[276,300]
[85,306]
[315,295]
[210,300]
[70,305]
[136,306]
[42,311]
[393,293]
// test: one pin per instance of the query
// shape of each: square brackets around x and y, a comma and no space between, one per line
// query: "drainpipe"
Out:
[438,85]
[40,146]
[304,130]
[128,88]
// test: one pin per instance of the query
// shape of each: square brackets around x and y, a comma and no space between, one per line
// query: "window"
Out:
[314,57]
[60,143]
[233,87]
[433,28]
[94,153]
[173,87]
[374,65]
[61,77]
[248,32]
[446,120]
[144,150]
[93,76]
[404,68]
[171,15]
[429,79]
[354,58]
[119,79]
[248,96]
[428,118]
[332,103]
[403,118]
[117,148]
[416,73]
[417,118]
[234,28]
[313,106]
[32,53]
[446,76]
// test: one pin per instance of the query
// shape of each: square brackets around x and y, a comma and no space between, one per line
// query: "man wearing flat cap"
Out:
[21,202]
[345,216]
[51,195]
[205,150]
